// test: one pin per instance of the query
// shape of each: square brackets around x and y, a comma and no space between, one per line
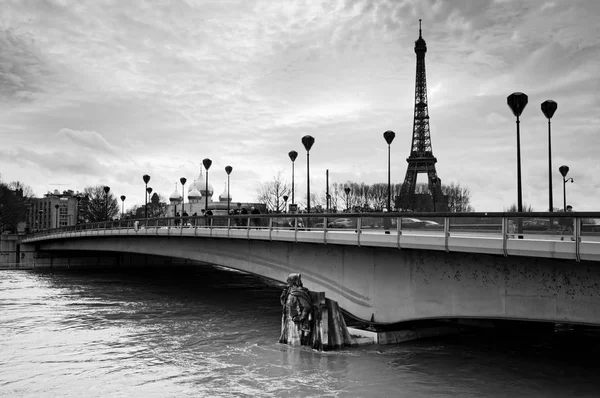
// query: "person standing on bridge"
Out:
[566,225]
[208,214]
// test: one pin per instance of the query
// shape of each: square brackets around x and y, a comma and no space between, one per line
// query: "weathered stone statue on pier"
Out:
[310,319]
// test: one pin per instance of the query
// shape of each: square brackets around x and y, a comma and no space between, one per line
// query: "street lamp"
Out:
[347,190]
[183,180]
[434,181]
[106,189]
[308,142]
[56,206]
[517,102]
[389,137]
[293,155]
[548,108]
[148,192]
[123,197]
[563,171]
[228,170]
[146,178]
[207,163]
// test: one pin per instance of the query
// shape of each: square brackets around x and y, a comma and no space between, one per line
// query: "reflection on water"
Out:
[210,332]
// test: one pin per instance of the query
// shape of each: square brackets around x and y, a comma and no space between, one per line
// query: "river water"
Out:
[211,332]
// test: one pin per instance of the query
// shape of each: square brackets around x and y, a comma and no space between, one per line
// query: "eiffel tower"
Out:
[421,159]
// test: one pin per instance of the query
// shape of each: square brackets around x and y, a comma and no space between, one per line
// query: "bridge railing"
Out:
[563,235]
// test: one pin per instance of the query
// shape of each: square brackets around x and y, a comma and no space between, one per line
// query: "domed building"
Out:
[175,199]
[194,195]
[200,197]
[224,196]
[200,185]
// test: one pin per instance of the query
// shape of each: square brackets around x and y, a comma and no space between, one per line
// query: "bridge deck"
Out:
[496,238]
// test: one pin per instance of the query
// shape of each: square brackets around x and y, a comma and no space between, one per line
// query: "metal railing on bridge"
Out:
[556,235]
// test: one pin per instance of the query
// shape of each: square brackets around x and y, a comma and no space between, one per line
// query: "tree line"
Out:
[360,197]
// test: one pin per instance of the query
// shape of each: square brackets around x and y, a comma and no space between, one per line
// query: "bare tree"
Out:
[374,197]
[97,205]
[157,206]
[458,199]
[18,185]
[272,193]
[514,209]
[14,205]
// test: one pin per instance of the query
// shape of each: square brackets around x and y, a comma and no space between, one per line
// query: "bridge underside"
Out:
[389,285]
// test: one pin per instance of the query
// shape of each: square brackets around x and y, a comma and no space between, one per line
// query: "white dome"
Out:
[200,185]
[225,195]
[194,193]
[175,196]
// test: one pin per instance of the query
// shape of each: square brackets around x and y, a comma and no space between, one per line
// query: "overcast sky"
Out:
[102,92]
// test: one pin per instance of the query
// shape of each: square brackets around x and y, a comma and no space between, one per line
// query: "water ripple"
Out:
[210,332]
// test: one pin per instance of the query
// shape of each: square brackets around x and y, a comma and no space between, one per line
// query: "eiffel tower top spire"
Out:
[420,45]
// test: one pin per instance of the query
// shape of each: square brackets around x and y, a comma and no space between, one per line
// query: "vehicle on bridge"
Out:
[342,223]
[432,224]
[541,224]
[409,222]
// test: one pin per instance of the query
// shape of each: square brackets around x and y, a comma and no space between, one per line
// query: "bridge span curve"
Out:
[372,282]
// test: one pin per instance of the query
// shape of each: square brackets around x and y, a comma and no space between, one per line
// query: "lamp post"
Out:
[123,197]
[564,170]
[285,199]
[389,137]
[183,180]
[106,190]
[517,102]
[56,206]
[207,163]
[548,108]
[434,181]
[347,190]
[327,195]
[293,155]
[308,142]
[146,179]
[228,170]
[148,192]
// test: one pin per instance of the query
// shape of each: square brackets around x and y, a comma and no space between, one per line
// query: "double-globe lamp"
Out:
[564,170]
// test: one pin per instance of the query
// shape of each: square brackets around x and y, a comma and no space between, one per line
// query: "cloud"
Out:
[89,140]
[155,88]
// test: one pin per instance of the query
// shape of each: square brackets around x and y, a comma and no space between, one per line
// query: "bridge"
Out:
[381,267]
